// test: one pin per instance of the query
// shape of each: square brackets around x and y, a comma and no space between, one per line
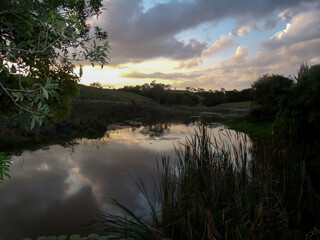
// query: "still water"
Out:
[58,189]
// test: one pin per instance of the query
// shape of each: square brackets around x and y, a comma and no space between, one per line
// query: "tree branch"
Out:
[20,107]
[4,12]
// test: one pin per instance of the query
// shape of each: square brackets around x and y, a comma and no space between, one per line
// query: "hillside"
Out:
[112,95]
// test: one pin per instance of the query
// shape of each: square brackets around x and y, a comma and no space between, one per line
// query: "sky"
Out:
[208,44]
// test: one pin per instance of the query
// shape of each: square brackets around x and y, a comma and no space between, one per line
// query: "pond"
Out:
[60,188]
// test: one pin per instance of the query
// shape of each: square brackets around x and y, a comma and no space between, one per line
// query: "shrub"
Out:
[298,121]
[267,93]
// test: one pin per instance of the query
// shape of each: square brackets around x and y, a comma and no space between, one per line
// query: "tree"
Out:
[267,93]
[40,43]
[299,113]
[298,122]
[96,85]
[301,71]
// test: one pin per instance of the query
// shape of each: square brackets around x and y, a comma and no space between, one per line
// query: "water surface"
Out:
[58,189]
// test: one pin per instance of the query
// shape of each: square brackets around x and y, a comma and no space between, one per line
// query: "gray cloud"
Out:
[164,76]
[270,24]
[137,35]
[303,27]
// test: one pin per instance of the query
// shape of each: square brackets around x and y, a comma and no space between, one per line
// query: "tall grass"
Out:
[220,191]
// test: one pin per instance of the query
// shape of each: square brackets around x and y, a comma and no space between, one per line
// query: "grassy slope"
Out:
[261,130]
[242,105]
[92,93]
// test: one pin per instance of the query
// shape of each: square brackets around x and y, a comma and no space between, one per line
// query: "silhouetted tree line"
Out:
[164,94]
[293,108]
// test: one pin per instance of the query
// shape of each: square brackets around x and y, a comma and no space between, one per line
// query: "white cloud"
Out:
[194,62]
[315,60]
[218,46]
[242,31]
[304,26]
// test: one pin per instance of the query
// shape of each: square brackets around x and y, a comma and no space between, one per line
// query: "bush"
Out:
[298,121]
[300,109]
[267,93]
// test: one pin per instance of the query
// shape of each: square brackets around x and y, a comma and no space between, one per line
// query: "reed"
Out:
[218,190]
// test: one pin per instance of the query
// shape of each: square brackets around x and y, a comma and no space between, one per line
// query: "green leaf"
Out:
[7,174]
[33,121]
[62,237]
[42,238]
[45,93]
[52,238]
[75,237]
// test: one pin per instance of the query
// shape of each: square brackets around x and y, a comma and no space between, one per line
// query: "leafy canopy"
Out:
[267,93]
[40,43]
[299,113]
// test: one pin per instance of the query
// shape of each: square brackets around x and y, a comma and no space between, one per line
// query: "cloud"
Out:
[218,46]
[242,31]
[303,27]
[315,60]
[137,35]
[194,62]
[297,43]
[270,24]
[224,75]
[240,55]
[163,76]
[282,54]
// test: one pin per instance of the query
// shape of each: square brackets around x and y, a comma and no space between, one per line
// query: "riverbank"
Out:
[257,130]
[88,119]
[95,109]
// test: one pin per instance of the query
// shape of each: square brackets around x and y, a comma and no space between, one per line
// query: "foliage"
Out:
[96,85]
[4,166]
[217,191]
[267,93]
[40,43]
[163,94]
[91,93]
[298,119]
[299,110]
[160,93]
[301,71]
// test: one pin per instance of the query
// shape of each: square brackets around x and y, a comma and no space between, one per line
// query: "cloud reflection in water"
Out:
[57,190]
